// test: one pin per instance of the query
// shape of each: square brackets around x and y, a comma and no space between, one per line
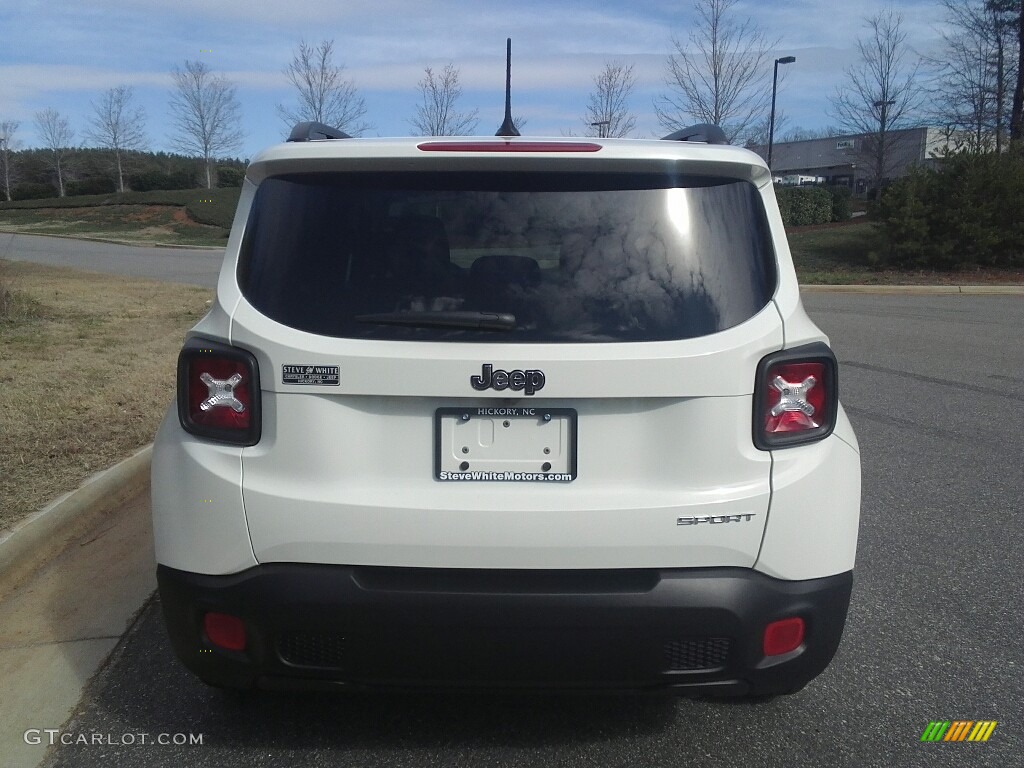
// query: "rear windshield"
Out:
[510,257]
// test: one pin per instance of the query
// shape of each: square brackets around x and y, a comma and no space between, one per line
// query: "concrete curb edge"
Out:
[38,538]
[112,241]
[973,290]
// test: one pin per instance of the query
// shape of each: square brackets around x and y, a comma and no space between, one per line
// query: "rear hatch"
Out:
[481,369]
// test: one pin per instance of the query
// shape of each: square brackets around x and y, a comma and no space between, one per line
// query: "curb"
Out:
[934,290]
[111,241]
[45,534]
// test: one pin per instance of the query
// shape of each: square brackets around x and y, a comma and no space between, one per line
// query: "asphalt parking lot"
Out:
[192,266]
[934,386]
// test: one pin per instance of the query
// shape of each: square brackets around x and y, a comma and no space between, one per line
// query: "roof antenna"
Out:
[508,128]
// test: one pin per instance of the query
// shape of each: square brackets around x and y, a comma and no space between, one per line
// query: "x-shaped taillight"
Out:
[793,396]
[221,393]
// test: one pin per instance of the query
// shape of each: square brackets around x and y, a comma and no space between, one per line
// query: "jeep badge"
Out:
[529,381]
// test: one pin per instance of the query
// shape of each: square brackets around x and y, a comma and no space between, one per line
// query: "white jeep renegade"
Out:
[507,412]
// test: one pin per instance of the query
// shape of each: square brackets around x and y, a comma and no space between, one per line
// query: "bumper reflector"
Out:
[224,631]
[783,636]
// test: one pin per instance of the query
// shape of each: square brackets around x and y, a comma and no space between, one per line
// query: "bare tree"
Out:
[999,15]
[7,146]
[757,133]
[720,75]
[882,94]
[1017,112]
[57,135]
[436,114]
[206,115]
[972,78]
[608,112]
[1007,21]
[118,124]
[325,94]
[963,88]
[805,134]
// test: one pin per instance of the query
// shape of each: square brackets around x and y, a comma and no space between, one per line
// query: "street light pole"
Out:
[602,128]
[775,87]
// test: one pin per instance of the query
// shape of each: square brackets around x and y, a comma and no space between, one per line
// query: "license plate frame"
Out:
[466,444]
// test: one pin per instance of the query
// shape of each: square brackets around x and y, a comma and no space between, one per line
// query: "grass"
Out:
[834,254]
[17,306]
[837,254]
[86,374]
[176,217]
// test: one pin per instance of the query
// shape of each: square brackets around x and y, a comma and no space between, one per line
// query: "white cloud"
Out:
[25,88]
[573,71]
[61,77]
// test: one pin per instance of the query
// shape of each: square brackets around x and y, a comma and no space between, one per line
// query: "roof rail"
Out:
[312,131]
[706,132]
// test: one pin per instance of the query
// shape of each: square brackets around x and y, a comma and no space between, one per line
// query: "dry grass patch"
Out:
[86,374]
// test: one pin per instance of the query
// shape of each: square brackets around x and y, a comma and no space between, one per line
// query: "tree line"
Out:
[720,73]
[93,171]
[205,114]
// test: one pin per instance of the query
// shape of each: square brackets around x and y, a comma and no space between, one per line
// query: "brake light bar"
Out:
[796,397]
[219,392]
[508,146]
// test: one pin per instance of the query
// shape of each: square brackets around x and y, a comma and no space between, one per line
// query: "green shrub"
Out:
[32,191]
[207,206]
[842,208]
[230,177]
[159,197]
[801,206]
[902,212]
[213,206]
[785,204]
[150,180]
[96,185]
[966,212]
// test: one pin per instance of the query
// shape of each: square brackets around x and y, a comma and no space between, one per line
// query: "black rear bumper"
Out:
[685,630]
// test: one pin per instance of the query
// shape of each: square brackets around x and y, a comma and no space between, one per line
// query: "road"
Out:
[174,265]
[934,386]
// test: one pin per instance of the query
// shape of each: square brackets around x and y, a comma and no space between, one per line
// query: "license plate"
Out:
[505,444]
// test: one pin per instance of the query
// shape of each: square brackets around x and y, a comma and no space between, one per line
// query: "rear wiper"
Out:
[488,321]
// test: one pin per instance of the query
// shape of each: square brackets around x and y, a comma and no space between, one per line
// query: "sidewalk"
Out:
[59,624]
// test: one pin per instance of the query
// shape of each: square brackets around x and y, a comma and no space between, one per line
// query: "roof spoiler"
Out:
[312,131]
[706,132]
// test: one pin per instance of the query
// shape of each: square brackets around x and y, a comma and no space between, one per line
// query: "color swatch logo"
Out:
[958,730]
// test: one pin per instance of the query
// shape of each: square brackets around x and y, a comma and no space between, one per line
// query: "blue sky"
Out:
[65,53]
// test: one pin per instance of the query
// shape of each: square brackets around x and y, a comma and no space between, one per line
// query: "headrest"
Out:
[505,269]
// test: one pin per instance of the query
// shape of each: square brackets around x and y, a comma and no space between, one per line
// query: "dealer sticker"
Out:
[316,375]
